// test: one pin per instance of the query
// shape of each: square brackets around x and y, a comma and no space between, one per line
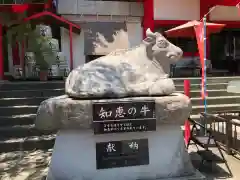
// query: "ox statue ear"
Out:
[151,37]
[149,33]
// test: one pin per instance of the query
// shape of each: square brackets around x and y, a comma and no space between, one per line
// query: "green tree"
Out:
[20,31]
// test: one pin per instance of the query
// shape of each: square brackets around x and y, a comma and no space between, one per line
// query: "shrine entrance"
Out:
[225,51]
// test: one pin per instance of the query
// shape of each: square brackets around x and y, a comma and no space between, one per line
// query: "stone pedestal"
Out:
[74,156]
[85,139]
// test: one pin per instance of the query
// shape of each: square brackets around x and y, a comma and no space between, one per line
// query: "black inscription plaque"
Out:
[125,153]
[124,116]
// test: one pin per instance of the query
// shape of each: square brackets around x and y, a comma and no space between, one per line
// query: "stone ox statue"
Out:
[140,71]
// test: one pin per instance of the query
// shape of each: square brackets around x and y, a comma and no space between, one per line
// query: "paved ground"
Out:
[217,171]
[33,166]
[24,165]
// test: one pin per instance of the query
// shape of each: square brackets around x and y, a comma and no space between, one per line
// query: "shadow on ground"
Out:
[24,165]
[211,170]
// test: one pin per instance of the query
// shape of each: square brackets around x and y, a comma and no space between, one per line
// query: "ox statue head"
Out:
[159,48]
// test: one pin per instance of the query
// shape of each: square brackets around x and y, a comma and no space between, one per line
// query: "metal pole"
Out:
[204,63]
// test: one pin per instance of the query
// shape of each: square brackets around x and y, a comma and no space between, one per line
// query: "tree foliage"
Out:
[20,31]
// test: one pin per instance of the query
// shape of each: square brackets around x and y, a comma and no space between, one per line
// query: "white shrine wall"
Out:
[78,47]
[176,9]
[134,33]
[225,13]
[86,7]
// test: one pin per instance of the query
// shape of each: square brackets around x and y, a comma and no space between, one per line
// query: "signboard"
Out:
[124,116]
[125,153]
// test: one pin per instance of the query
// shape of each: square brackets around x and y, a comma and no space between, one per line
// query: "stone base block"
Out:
[74,156]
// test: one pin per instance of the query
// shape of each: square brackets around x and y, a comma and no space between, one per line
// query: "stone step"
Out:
[211,93]
[180,87]
[30,143]
[31,101]
[34,85]
[31,93]
[25,115]
[198,80]
[23,119]
[21,131]
[216,107]
[17,110]
[196,101]
[58,92]
[195,117]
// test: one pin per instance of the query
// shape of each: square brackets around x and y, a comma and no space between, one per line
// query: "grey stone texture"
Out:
[64,112]
[140,71]
[125,75]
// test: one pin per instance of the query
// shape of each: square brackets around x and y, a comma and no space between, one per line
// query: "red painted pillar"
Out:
[1,53]
[71,47]
[48,5]
[148,18]
[187,87]
[187,129]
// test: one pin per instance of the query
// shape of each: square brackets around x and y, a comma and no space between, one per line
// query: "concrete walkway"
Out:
[218,171]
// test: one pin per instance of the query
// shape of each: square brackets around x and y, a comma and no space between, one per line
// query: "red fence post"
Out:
[187,129]
[187,87]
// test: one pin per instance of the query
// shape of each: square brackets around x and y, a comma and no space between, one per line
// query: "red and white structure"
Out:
[38,13]
[109,25]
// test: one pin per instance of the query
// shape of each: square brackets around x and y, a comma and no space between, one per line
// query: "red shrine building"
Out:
[90,29]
